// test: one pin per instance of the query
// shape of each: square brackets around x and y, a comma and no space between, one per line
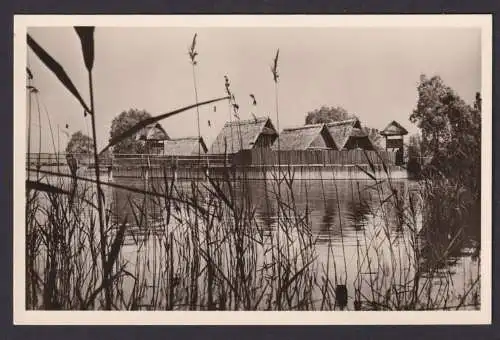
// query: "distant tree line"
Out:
[450,132]
[121,123]
[79,143]
[327,114]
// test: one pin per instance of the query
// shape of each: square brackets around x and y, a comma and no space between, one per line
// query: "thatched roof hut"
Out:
[359,139]
[394,139]
[348,134]
[313,136]
[244,135]
[153,137]
[186,146]
[394,129]
[154,132]
[342,130]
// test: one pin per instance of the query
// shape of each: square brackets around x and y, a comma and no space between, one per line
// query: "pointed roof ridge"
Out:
[398,131]
[301,138]
[242,134]
[247,121]
[302,127]
[145,132]
[356,132]
[341,131]
[343,122]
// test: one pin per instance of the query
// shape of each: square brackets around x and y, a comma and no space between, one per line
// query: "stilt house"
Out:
[244,135]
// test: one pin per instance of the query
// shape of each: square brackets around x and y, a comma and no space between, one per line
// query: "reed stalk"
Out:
[202,245]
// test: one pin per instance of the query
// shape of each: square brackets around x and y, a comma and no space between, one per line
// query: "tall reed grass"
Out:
[200,244]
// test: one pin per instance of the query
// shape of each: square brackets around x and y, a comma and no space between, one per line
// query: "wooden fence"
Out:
[309,157]
[242,158]
[52,159]
[177,161]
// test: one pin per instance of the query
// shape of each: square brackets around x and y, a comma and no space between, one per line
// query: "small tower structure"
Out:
[394,140]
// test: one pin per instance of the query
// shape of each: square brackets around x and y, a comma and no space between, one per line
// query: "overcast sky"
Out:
[371,72]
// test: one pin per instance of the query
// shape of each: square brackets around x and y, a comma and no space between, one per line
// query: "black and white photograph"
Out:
[172,164]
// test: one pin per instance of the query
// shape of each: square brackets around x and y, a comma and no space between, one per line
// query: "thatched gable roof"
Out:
[359,140]
[394,129]
[342,130]
[302,138]
[242,135]
[152,132]
[358,133]
[184,146]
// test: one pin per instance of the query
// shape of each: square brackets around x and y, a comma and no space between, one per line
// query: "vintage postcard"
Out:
[252,169]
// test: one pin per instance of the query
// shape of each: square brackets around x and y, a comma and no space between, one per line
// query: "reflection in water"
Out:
[265,210]
[140,211]
[329,206]
[360,234]
[358,212]
[333,209]
[327,224]
[345,215]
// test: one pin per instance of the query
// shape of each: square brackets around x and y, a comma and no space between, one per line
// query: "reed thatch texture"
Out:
[394,129]
[359,139]
[152,132]
[244,135]
[186,146]
[313,136]
[342,130]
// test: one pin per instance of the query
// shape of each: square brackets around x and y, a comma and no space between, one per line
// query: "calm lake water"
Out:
[346,218]
[361,232]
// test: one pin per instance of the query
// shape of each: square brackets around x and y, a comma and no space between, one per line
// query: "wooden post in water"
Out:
[341,296]
[110,173]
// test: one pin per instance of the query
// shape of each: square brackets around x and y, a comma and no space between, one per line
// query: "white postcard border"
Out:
[21,316]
